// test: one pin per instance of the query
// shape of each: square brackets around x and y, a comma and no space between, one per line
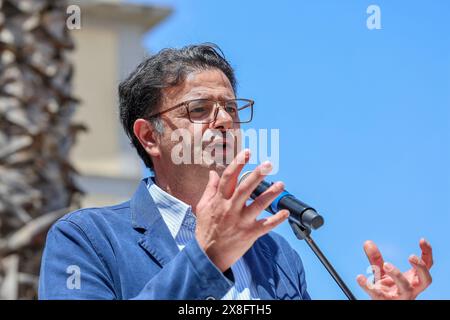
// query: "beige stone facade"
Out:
[108,47]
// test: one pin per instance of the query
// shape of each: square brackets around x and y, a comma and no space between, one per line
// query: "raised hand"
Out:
[226,226]
[389,282]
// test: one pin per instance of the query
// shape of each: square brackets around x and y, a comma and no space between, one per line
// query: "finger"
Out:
[427,252]
[267,224]
[368,287]
[211,187]
[249,184]
[403,285]
[422,273]
[264,200]
[375,258]
[230,175]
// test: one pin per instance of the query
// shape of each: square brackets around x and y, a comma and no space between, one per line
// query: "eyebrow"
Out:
[213,97]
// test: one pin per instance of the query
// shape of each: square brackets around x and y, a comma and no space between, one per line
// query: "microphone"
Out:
[300,212]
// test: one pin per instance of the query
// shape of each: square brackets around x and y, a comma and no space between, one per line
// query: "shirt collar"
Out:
[173,211]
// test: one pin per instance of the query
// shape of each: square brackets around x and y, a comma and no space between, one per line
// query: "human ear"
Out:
[147,136]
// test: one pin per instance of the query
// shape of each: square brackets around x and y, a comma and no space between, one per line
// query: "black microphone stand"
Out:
[303,233]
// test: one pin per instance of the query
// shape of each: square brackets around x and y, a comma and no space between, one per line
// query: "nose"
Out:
[223,119]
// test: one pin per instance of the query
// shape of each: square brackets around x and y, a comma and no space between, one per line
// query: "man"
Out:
[188,232]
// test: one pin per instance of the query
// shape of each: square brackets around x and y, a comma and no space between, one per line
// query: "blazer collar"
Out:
[143,209]
[145,218]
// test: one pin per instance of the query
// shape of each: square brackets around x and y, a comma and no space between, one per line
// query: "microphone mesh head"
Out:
[243,176]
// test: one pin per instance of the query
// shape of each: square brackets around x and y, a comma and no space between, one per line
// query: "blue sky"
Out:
[364,118]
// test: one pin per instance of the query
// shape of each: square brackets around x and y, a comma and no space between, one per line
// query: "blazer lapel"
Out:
[271,273]
[262,268]
[156,238]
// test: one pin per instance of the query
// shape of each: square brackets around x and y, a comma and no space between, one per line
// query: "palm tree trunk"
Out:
[36,135]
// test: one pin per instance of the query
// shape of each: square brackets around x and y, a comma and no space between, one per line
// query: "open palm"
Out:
[389,282]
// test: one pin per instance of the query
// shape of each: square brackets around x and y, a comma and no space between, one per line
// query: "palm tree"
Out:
[36,134]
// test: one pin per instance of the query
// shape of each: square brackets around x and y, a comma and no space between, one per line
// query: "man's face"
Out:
[217,142]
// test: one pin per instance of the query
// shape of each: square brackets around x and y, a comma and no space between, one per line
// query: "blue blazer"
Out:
[127,252]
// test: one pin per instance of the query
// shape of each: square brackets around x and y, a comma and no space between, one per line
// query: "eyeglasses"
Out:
[206,110]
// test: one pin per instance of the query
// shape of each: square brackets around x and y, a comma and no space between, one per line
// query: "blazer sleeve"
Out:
[72,268]
[190,275]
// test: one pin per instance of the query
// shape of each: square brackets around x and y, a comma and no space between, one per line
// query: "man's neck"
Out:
[183,186]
